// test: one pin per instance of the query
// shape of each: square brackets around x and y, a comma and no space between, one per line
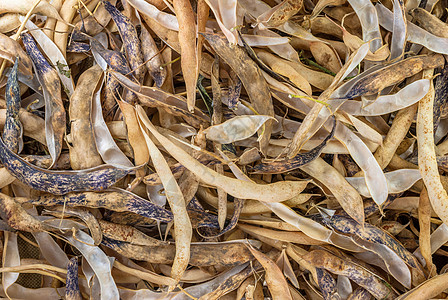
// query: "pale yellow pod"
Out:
[182,224]
[317,79]
[430,22]
[51,23]
[322,4]
[94,24]
[135,136]
[325,56]
[424,221]
[33,126]
[23,6]
[274,277]
[426,154]
[67,12]
[83,152]
[9,22]
[344,193]
[85,10]
[347,14]
[188,50]
[324,26]
[282,67]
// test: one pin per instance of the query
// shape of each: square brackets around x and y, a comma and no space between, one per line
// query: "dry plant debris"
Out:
[223,149]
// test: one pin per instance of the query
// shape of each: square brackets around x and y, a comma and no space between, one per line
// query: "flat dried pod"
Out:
[427,156]
[317,79]
[177,170]
[16,290]
[50,250]
[225,13]
[182,225]
[389,75]
[353,42]
[397,181]
[235,187]
[260,40]
[217,284]
[54,108]
[274,278]
[173,104]
[289,236]
[95,23]
[188,50]
[225,287]
[135,136]
[327,284]
[98,261]
[372,234]
[440,95]
[170,37]
[251,78]
[322,4]
[10,49]
[116,200]
[344,193]
[33,126]
[23,7]
[81,140]
[424,221]
[105,144]
[234,89]
[406,97]
[72,291]
[334,264]
[201,254]
[283,50]
[429,289]
[280,13]
[152,57]
[366,13]
[312,122]
[326,56]
[55,56]
[295,162]
[281,67]
[201,218]
[275,65]
[167,20]
[202,14]
[12,132]
[17,217]
[126,233]
[9,22]
[415,34]
[78,47]
[114,59]
[84,215]
[429,22]
[238,207]
[252,207]
[312,228]
[60,182]
[10,258]
[130,40]
[437,239]
[67,10]
[235,129]
[399,33]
